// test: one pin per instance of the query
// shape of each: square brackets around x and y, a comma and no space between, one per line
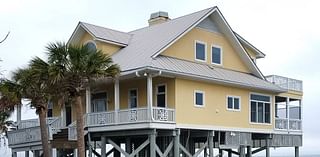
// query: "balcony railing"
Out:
[128,116]
[288,125]
[34,122]
[286,83]
[29,130]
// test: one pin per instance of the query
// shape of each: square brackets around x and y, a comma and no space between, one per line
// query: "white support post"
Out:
[149,96]
[288,113]
[176,145]
[296,151]
[63,115]
[88,100]
[116,100]
[54,152]
[19,113]
[26,154]
[75,152]
[211,134]
[103,146]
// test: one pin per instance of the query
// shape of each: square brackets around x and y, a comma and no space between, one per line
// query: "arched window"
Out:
[91,45]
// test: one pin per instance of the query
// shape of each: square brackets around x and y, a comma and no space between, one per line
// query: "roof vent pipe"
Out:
[158,17]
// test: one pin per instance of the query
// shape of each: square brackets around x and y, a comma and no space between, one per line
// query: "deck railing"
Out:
[29,130]
[28,123]
[288,125]
[285,82]
[127,116]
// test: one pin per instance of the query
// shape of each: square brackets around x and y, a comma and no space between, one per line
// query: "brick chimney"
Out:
[158,17]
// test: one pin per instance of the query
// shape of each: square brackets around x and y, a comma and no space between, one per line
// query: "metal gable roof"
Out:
[147,41]
[213,73]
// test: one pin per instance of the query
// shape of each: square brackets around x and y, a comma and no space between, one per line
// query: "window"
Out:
[199,98]
[99,102]
[216,55]
[161,96]
[91,46]
[260,108]
[200,51]
[133,98]
[50,107]
[233,103]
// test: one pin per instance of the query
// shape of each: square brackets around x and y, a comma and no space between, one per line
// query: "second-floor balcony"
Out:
[127,116]
[285,82]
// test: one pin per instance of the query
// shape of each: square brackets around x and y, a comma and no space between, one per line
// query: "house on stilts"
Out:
[188,86]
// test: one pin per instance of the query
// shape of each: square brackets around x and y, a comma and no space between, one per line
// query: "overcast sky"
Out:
[287,31]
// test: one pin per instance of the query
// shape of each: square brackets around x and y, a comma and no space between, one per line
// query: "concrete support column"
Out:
[116,153]
[241,151]
[249,152]
[54,152]
[229,153]
[36,153]
[267,148]
[296,151]
[210,143]
[152,138]
[14,154]
[116,99]
[26,154]
[128,145]
[103,146]
[88,100]
[220,153]
[75,153]
[176,144]
[149,96]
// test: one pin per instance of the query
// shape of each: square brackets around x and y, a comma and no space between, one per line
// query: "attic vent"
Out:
[158,17]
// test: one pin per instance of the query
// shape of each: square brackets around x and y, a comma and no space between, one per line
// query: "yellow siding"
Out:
[56,111]
[184,49]
[215,112]
[105,47]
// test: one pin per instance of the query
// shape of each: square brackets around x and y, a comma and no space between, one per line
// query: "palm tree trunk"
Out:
[44,132]
[80,131]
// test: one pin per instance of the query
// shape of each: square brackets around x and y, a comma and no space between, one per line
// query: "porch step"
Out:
[63,134]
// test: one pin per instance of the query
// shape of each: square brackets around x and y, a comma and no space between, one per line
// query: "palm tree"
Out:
[34,84]
[73,69]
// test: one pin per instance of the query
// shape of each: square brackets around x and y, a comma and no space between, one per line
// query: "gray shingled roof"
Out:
[107,34]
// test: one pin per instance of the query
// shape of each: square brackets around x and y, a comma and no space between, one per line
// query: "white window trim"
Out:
[129,100]
[107,99]
[221,54]
[194,98]
[233,109]
[205,50]
[165,94]
[271,109]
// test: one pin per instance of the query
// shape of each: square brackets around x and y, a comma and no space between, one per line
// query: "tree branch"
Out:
[5,37]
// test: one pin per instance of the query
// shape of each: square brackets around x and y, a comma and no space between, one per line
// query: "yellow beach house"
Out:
[188,86]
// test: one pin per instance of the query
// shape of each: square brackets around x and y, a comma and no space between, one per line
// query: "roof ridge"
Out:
[105,28]
[172,19]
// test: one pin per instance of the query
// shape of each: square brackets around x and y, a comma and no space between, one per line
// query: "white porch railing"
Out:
[28,123]
[100,118]
[20,136]
[133,115]
[163,114]
[291,125]
[281,123]
[295,124]
[285,82]
[29,130]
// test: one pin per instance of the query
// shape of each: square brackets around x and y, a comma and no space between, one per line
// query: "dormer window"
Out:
[200,51]
[216,55]
[91,45]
